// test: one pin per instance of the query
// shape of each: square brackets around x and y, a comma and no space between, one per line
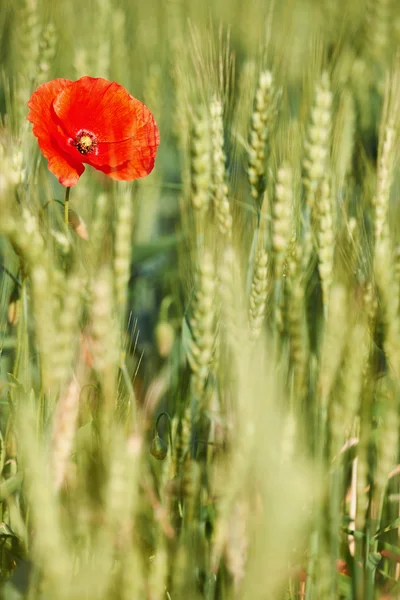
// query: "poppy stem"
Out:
[66,205]
[165,414]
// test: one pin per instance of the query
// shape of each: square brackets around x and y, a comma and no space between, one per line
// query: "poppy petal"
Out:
[67,115]
[102,107]
[109,157]
[41,101]
[127,171]
[141,148]
[133,159]
[60,164]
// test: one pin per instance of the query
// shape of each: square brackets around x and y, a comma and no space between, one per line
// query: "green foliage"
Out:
[199,376]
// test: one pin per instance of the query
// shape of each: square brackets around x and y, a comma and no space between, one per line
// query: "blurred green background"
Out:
[266,326]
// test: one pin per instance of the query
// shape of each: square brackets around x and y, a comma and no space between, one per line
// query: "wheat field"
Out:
[200,369]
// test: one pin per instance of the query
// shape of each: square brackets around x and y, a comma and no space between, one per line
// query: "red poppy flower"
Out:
[93,121]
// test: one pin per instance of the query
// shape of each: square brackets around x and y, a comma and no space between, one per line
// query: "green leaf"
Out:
[10,486]
[390,527]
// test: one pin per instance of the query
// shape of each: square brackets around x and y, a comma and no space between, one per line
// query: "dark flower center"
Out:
[85,141]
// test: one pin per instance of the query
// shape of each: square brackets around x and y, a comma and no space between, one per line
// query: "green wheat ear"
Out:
[269,227]
[259,289]
[220,188]
[317,145]
[263,122]
[202,323]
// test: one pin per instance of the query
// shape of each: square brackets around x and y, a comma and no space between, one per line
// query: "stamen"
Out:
[85,142]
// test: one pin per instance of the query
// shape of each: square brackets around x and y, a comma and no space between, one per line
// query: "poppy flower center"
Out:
[85,142]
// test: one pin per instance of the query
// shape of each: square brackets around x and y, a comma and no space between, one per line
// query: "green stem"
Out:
[11,276]
[66,206]
[197,442]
